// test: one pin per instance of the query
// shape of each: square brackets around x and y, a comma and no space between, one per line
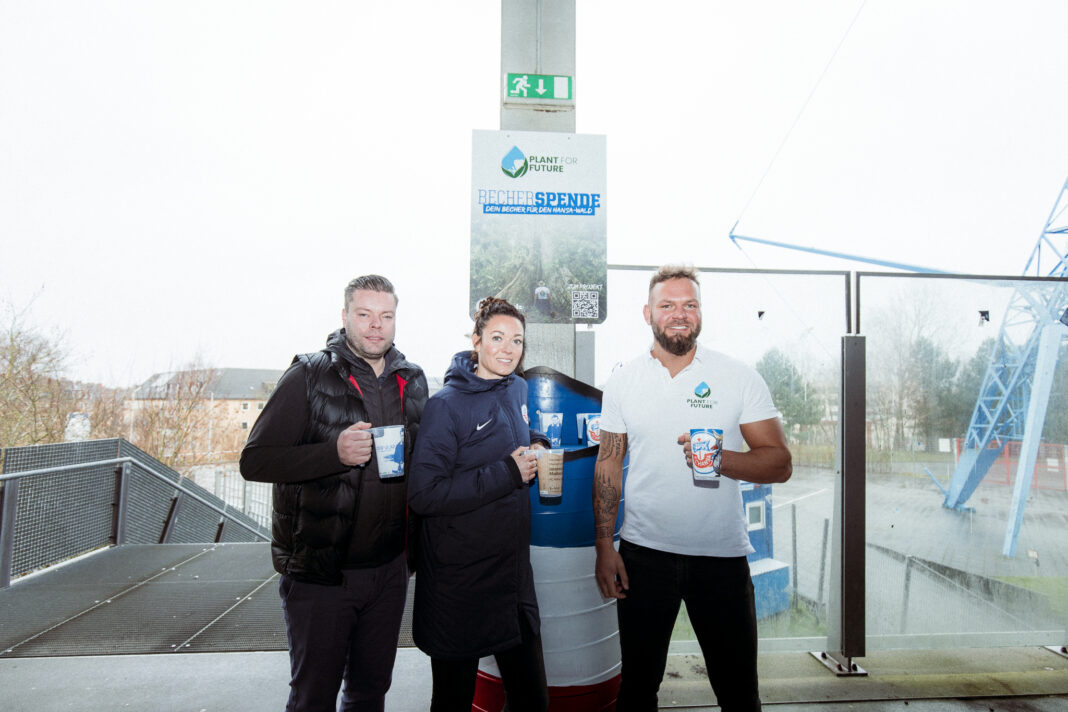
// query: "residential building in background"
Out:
[198,416]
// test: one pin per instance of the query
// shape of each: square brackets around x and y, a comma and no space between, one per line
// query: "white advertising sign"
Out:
[538,228]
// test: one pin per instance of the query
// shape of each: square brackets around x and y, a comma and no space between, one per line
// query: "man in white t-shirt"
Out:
[682,540]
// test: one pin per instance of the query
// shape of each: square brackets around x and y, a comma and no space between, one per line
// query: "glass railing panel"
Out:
[952,380]
[787,326]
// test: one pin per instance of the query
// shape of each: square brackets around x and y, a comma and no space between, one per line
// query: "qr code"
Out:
[584,305]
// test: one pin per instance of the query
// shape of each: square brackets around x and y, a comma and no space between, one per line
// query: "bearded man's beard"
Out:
[677,344]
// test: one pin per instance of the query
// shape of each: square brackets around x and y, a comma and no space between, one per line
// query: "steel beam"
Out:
[846,612]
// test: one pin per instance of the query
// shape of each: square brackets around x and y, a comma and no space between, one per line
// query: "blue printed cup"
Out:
[705,444]
[389,450]
[552,424]
[589,428]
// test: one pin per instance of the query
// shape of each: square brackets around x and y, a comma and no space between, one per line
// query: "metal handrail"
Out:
[64,468]
[158,475]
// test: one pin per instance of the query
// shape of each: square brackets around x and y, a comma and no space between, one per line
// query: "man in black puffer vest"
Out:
[340,530]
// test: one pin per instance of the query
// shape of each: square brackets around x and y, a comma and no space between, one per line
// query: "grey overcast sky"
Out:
[203,177]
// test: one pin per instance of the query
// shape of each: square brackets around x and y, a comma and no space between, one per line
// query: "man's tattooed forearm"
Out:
[605,503]
[613,445]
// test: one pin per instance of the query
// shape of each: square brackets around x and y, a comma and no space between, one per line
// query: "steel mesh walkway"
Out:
[151,599]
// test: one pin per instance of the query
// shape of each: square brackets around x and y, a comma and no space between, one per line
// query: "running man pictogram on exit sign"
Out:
[538,86]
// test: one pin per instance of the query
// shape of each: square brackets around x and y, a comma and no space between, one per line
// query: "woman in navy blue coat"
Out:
[470,474]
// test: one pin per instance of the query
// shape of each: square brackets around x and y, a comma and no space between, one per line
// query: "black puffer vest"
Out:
[313,520]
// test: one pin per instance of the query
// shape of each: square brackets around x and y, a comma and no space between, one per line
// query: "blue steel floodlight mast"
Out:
[1016,387]
[1015,392]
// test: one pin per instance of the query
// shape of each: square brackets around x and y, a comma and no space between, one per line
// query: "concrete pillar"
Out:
[538,37]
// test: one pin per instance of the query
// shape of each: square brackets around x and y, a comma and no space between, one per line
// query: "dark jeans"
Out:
[522,673]
[719,600]
[345,632]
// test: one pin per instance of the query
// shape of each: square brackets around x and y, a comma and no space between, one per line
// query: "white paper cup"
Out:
[389,450]
[552,424]
[550,472]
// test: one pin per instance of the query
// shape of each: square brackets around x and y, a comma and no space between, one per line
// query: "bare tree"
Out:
[894,332]
[34,401]
[36,397]
[106,408]
[171,416]
[922,384]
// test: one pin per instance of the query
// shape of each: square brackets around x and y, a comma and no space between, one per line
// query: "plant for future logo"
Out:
[702,391]
[514,164]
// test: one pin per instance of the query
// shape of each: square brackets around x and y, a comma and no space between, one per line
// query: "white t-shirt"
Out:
[663,508]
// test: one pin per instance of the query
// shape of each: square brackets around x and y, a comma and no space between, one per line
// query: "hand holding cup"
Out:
[527,461]
[687,453]
[354,444]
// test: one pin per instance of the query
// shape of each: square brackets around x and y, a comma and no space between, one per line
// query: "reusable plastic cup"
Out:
[550,472]
[593,429]
[552,424]
[389,449]
[705,443]
[588,427]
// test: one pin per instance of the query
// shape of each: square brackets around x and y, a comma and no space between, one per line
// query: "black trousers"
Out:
[345,632]
[718,593]
[522,673]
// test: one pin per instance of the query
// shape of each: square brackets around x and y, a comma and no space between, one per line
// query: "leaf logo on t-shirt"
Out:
[702,390]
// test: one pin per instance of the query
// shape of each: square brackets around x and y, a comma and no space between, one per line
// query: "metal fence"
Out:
[225,481]
[63,500]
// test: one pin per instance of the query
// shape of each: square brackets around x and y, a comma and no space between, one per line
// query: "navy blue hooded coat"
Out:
[474,579]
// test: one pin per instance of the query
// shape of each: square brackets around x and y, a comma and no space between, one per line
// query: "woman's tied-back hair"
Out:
[491,307]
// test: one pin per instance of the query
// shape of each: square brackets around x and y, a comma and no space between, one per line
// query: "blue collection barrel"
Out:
[579,630]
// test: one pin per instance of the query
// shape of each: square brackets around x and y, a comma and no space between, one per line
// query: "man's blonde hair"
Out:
[674,272]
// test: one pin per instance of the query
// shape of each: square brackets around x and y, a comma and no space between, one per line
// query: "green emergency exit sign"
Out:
[538,86]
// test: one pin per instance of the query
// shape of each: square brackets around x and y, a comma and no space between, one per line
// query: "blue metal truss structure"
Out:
[1015,392]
